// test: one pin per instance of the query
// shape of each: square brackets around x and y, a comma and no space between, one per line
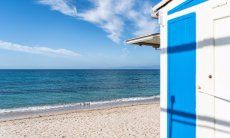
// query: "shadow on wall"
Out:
[171,113]
[190,46]
[183,117]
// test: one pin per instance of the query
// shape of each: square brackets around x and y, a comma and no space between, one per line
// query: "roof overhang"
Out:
[147,40]
[155,9]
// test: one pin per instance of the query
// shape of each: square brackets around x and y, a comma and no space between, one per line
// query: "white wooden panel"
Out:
[222,55]
[205,85]
[205,118]
[222,118]
[222,77]
[163,76]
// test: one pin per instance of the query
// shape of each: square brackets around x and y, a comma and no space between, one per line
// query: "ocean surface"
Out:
[46,88]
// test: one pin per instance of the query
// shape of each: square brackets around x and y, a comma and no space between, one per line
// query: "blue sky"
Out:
[75,34]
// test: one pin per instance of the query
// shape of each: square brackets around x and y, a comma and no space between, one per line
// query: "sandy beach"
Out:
[130,121]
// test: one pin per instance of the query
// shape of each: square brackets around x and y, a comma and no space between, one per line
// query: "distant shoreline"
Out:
[84,69]
[37,111]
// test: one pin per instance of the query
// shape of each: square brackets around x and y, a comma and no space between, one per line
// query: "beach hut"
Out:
[195,67]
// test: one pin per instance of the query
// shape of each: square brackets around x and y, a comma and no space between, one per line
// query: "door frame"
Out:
[185,114]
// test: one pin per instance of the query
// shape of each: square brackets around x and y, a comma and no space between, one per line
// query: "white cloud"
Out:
[113,16]
[144,23]
[63,6]
[103,15]
[37,50]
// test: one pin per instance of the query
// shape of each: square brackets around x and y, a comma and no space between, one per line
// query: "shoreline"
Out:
[40,111]
[140,120]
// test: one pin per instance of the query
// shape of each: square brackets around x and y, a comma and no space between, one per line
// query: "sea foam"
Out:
[83,105]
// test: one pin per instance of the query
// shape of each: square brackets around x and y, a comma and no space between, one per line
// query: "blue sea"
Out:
[21,89]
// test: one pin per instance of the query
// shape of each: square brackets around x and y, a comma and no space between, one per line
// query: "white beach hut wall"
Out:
[195,71]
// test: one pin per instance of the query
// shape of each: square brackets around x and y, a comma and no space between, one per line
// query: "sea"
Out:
[29,91]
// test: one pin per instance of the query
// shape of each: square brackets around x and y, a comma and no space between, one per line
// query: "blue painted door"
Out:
[182,77]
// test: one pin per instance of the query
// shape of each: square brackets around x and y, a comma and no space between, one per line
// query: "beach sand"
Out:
[129,121]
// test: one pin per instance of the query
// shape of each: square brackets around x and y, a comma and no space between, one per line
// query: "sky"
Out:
[76,34]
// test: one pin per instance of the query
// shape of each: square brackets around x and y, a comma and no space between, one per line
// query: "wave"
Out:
[82,105]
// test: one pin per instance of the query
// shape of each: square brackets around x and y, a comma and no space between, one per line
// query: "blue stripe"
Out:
[181,106]
[185,5]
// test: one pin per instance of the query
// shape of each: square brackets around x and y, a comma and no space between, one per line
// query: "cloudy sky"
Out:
[75,34]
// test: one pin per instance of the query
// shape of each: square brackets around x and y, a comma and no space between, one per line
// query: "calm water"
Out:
[28,88]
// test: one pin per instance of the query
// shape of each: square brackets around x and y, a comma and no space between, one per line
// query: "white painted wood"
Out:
[163,65]
[206,103]
[210,108]
[204,64]
[222,52]
[186,11]
[204,111]
[222,76]
[205,119]
[163,77]
[222,116]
